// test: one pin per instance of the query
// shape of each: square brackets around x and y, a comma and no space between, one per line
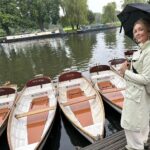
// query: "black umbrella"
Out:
[131,13]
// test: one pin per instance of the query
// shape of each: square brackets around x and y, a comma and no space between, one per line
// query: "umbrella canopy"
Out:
[131,13]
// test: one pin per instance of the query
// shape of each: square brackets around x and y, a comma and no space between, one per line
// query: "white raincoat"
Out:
[135,113]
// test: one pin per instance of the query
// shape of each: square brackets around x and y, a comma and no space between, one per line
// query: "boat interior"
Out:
[81,108]
[33,113]
[37,122]
[109,84]
[79,100]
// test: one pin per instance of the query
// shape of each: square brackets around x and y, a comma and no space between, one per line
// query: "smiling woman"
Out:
[136,96]
[141,31]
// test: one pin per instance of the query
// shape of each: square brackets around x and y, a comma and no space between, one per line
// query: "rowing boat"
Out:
[81,104]
[116,63]
[110,85]
[129,56]
[8,94]
[129,53]
[32,116]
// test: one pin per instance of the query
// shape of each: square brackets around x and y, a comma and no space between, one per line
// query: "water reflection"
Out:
[129,44]
[80,47]
[20,61]
[110,38]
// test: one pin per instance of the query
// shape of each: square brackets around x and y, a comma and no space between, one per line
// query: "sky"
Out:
[97,5]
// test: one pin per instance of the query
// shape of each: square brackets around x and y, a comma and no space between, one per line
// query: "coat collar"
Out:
[145,45]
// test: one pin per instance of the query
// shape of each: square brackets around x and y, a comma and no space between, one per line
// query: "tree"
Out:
[9,15]
[148,1]
[132,1]
[40,12]
[21,14]
[75,11]
[97,17]
[109,13]
[91,17]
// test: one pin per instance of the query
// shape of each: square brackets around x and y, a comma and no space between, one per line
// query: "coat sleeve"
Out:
[142,78]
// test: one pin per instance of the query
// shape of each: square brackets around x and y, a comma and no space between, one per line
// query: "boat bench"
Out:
[78,100]
[105,85]
[73,93]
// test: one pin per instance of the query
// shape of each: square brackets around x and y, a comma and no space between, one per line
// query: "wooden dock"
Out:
[117,141]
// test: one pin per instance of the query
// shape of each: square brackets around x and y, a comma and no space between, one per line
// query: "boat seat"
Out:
[73,93]
[81,107]
[105,85]
[76,100]
[40,101]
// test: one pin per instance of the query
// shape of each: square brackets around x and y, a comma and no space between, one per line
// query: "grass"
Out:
[69,29]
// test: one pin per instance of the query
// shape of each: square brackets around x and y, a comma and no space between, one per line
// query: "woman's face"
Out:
[140,32]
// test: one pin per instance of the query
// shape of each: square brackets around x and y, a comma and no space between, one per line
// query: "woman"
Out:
[135,113]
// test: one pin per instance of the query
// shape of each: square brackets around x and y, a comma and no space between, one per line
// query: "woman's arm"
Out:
[144,77]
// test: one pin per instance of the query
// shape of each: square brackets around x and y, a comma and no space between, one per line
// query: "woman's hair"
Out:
[146,23]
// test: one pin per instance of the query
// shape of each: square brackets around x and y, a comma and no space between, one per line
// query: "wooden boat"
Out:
[31,119]
[110,85]
[81,104]
[116,63]
[129,54]
[8,95]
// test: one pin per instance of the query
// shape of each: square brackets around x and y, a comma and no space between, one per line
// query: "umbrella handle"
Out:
[120,28]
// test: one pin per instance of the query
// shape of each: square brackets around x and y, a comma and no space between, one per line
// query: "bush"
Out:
[2,33]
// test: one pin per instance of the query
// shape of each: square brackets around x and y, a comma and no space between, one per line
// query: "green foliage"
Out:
[97,17]
[26,14]
[75,11]
[91,17]
[41,12]
[109,13]
[9,15]
[2,32]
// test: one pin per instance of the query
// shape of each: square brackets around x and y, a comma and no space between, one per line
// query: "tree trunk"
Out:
[41,25]
[6,29]
[72,26]
[77,26]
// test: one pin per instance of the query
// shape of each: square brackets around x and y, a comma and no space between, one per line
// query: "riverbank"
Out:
[96,28]
[49,34]
[31,36]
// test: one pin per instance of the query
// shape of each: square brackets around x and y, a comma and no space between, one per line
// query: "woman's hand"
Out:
[123,68]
